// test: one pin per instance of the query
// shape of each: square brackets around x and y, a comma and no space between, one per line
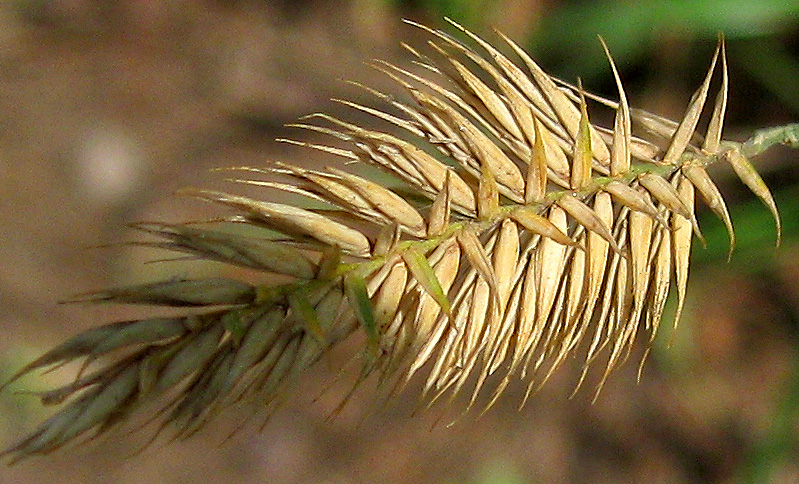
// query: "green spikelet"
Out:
[530,235]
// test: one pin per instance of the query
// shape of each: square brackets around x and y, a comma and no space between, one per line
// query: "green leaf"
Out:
[302,308]
[358,297]
[420,268]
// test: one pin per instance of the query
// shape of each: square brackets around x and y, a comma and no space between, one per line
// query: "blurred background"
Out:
[107,108]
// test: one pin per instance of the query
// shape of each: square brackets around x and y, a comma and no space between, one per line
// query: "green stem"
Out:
[766,138]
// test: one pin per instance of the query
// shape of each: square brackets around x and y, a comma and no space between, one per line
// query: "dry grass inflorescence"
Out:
[514,233]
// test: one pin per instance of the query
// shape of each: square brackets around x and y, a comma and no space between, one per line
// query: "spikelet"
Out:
[529,235]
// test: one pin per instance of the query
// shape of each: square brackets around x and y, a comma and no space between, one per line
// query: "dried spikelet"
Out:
[531,235]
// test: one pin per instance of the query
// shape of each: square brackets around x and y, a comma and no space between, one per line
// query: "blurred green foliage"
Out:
[565,36]
[755,232]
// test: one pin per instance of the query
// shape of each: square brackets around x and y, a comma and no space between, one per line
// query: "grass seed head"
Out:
[530,235]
